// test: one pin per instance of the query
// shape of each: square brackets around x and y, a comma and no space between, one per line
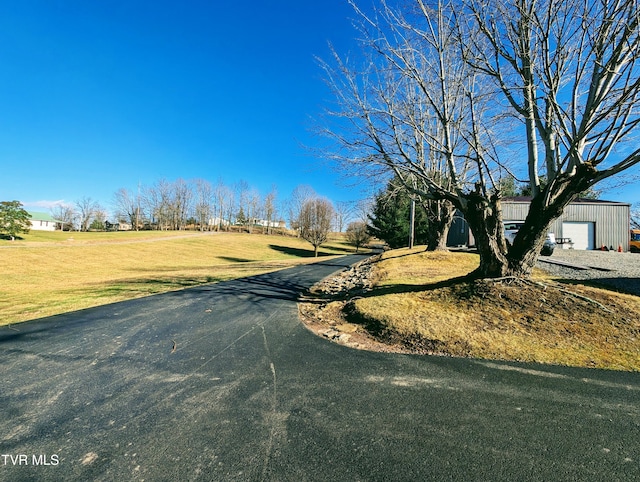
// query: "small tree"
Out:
[13,219]
[204,207]
[270,208]
[241,218]
[344,210]
[129,207]
[65,216]
[86,209]
[97,225]
[299,197]
[358,234]
[315,221]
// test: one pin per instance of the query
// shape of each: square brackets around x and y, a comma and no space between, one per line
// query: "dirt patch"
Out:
[324,309]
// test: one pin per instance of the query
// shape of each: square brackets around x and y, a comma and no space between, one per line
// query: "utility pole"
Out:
[412,222]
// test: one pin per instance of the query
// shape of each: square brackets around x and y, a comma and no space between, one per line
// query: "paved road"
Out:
[223,383]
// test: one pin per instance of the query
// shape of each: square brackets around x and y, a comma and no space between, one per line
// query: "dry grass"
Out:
[419,304]
[51,273]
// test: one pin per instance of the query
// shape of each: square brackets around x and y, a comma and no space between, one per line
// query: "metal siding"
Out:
[514,211]
[611,220]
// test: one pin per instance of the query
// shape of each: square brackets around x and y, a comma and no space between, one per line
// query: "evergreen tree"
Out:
[241,218]
[391,217]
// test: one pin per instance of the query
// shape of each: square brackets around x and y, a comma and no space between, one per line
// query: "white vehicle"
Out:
[511,228]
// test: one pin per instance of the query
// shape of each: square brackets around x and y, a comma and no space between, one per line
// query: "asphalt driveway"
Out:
[222,382]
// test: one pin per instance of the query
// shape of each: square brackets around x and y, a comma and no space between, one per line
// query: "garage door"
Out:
[581,233]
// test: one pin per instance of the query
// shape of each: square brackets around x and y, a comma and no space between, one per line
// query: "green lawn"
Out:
[49,273]
[420,300]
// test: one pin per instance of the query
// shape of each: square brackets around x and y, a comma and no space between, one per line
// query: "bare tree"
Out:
[99,218]
[87,208]
[270,207]
[181,201]
[224,203]
[64,214]
[315,222]
[344,211]
[299,197]
[241,197]
[169,204]
[570,71]
[358,234]
[426,109]
[414,110]
[204,208]
[157,199]
[128,207]
[253,208]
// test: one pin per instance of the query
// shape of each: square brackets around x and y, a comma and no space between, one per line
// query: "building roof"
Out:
[37,216]
[580,200]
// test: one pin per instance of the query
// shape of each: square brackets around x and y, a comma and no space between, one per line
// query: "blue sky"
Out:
[101,95]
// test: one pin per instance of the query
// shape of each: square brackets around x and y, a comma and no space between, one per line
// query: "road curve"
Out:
[222,382]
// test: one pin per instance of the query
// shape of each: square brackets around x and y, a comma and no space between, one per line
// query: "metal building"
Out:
[585,224]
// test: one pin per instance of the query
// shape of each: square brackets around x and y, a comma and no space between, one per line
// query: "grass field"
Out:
[48,273]
[421,300]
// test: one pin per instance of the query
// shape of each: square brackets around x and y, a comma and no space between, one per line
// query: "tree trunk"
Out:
[528,242]
[544,209]
[485,221]
[440,216]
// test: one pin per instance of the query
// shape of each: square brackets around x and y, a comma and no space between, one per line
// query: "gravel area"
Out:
[620,270]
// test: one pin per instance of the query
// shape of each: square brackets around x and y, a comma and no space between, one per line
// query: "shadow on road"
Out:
[285,285]
[267,286]
[306,253]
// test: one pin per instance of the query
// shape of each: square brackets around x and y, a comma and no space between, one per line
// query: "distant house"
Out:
[42,221]
[118,226]
[215,222]
[270,224]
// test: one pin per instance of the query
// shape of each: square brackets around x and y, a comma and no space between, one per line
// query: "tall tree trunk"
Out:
[412,222]
[485,221]
[440,216]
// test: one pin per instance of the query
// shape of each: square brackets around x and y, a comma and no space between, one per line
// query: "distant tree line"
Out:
[201,205]
[181,205]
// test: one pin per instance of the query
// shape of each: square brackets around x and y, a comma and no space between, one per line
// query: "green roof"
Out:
[36,216]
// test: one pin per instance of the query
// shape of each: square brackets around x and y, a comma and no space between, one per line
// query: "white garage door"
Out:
[581,234]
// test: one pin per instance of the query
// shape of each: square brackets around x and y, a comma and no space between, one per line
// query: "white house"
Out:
[42,221]
[270,224]
[214,222]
